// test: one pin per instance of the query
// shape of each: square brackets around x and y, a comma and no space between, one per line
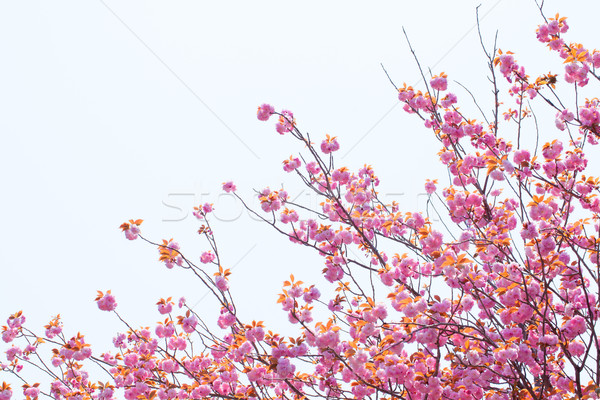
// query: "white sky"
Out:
[109,110]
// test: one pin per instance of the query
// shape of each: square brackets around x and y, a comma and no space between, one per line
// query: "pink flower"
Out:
[226,319]
[311,295]
[542,33]
[497,175]
[521,156]
[295,291]
[271,200]
[189,324]
[106,302]
[405,95]
[109,358]
[131,359]
[420,103]
[562,117]
[575,73]
[289,216]
[256,374]
[30,348]
[449,100]
[556,44]
[551,151]
[589,116]
[286,122]
[329,145]
[446,157]
[313,168]
[291,164]
[264,112]
[163,331]
[201,391]
[550,340]
[341,175]
[9,335]
[574,327]
[255,334]
[13,352]
[432,242]
[229,187]
[131,229]
[222,283]
[5,394]
[596,59]
[32,392]
[169,366]
[430,186]
[53,330]
[439,83]
[507,65]
[82,354]
[165,308]
[553,27]
[576,348]
[529,231]
[119,341]
[546,246]
[177,343]
[207,257]
[16,320]
[380,311]
[285,368]
[427,336]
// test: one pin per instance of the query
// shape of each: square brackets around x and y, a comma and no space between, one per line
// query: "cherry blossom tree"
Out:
[497,300]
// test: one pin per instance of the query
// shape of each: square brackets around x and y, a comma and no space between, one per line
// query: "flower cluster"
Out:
[579,61]
[329,145]
[286,122]
[132,228]
[291,164]
[106,301]
[265,111]
[272,200]
[497,300]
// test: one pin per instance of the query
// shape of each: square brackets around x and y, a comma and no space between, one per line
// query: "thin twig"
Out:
[474,101]
[388,75]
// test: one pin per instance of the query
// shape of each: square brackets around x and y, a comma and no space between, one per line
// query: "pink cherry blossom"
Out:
[207,257]
[265,111]
[222,283]
[291,164]
[165,308]
[286,122]
[430,187]
[189,324]
[574,327]
[521,157]
[229,187]
[106,302]
[5,394]
[329,145]
[439,83]
[31,392]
